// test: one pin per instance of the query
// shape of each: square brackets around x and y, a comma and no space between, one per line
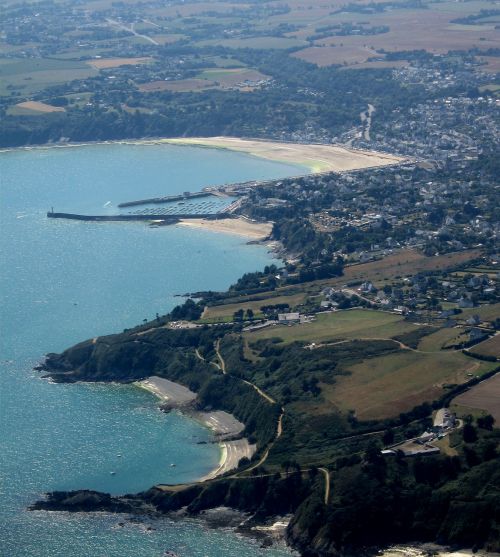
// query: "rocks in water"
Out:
[87,501]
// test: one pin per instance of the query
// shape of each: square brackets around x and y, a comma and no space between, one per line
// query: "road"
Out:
[326,473]
[265,396]
[131,30]
[261,392]
[366,121]
[222,363]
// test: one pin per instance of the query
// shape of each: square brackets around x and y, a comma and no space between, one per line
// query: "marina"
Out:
[168,209]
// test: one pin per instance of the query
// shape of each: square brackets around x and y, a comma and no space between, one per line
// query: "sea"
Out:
[65,281]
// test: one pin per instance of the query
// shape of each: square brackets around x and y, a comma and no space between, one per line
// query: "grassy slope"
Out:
[383,387]
[340,325]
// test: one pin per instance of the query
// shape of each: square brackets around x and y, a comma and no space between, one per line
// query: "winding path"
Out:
[222,363]
[326,473]
[266,397]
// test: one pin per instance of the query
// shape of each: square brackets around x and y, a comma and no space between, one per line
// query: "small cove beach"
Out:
[65,281]
[225,426]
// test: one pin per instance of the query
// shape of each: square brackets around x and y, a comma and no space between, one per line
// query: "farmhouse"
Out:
[287,318]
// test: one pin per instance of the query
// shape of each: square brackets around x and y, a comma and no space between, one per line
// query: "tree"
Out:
[250,314]
[486,422]
[469,433]
[243,461]
[238,315]
[388,437]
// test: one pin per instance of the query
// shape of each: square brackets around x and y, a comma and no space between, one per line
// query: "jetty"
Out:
[167,199]
[165,219]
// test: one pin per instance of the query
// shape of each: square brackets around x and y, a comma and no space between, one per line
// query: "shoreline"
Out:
[255,231]
[177,397]
[318,158]
[313,158]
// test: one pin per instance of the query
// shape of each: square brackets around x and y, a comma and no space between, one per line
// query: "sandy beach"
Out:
[422,550]
[224,425]
[318,158]
[242,227]
[167,391]
[232,452]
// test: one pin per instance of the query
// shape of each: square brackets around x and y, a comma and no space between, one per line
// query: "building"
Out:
[288,318]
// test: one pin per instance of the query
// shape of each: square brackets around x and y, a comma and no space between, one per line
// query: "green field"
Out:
[30,75]
[352,324]
[388,385]
[223,312]
[487,312]
[440,339]
[256,42]
[489,347]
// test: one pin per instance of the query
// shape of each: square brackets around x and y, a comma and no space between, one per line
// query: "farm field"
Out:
[337,54]
[485,396]
[213,313]
[255,42]
[492,63]
[385,386]
[487,312]
[441,338]
[31,75]
[408,29]
[106,63]
[243,79]
[489,347]
[229,77]
[178,86]
[404,262]
[351,324]
[33,107]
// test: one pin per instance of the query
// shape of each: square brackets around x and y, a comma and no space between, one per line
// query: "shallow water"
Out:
[64,281]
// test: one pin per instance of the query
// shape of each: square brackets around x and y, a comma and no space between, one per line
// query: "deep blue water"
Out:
[64,281]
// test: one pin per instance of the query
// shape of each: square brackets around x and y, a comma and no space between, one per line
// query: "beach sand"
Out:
[232,452]
[221,423]
[422,550]
[242,227]
[318,158]
[168,391]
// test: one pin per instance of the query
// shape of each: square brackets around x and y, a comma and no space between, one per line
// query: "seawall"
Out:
[171,219]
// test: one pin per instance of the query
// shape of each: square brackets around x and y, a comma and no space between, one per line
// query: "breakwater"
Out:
[165,199]
[170,219]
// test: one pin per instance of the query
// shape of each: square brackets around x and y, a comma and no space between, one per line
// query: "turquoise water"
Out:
[64,281]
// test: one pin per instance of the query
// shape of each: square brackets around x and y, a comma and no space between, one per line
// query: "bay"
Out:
[62,282]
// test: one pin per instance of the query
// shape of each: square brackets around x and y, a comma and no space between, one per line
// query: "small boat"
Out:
[119,455]
[173,465]
[113,473]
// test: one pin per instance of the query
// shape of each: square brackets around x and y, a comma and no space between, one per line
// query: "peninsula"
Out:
[346,434]
[344,365]
[364,368]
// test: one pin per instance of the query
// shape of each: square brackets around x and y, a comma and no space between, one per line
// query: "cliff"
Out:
[365,502]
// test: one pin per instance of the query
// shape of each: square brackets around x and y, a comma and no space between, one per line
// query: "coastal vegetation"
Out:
[385,309]
[325,395]
[328,359]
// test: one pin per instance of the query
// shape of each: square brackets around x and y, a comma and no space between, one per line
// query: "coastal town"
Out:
[276,224]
